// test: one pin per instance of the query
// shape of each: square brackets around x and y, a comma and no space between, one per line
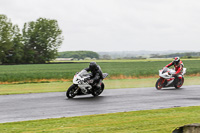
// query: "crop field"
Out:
[118,69]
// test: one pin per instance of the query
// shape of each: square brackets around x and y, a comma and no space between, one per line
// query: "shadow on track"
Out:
[88,98]
[172,89]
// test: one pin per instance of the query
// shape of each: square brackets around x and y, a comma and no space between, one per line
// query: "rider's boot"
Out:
[98,85]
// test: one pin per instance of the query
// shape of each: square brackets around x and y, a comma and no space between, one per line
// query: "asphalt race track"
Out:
[55,105]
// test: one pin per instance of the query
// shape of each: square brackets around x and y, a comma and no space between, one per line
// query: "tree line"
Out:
[37,42]
[183,55]
[78,54]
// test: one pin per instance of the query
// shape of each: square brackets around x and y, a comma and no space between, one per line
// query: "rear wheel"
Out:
[98,91]
[159,83]
[71,91]
[180,83]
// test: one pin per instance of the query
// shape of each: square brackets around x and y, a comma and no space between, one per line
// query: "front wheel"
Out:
[159,83]
[180,83]
[71,91]
[98,91]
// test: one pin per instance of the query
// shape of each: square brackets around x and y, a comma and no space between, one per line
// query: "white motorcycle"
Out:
[167,80]
[81,85]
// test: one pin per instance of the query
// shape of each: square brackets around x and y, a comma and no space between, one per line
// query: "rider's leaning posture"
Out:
[178,65]
[97,74]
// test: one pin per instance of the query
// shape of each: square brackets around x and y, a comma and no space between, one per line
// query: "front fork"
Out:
[163,81]
[76,89]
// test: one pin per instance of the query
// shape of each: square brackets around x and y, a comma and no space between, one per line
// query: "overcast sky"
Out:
[115,25]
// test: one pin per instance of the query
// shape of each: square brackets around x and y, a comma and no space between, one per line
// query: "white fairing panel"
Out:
[76,79]
[167,73]
[79,80]
[184,71]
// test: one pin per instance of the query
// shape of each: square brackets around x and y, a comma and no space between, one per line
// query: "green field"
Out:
[147,121]
[115,68]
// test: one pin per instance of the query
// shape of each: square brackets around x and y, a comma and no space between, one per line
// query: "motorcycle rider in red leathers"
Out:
[178,65]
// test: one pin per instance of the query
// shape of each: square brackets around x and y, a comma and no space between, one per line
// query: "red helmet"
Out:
[176,60]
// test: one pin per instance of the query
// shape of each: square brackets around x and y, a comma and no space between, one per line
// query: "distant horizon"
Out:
[133,54]
[137,51]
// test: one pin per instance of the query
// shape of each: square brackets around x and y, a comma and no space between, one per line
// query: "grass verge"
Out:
[147,121]
[61,86]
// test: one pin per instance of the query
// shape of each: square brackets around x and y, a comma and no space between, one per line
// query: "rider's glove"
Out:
[90,81]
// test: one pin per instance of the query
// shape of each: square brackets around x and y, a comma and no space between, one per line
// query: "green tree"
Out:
[41,40]
[78,54]
[5,37]
[16,52]
[11,47]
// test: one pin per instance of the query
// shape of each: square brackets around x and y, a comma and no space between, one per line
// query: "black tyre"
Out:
[98,91]
[159,84]
[180,83]
[71,91]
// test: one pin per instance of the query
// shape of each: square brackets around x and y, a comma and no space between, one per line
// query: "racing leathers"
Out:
[178,67]
[96,75]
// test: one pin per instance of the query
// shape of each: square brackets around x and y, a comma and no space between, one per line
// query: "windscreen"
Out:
[83,73]
[165,69]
